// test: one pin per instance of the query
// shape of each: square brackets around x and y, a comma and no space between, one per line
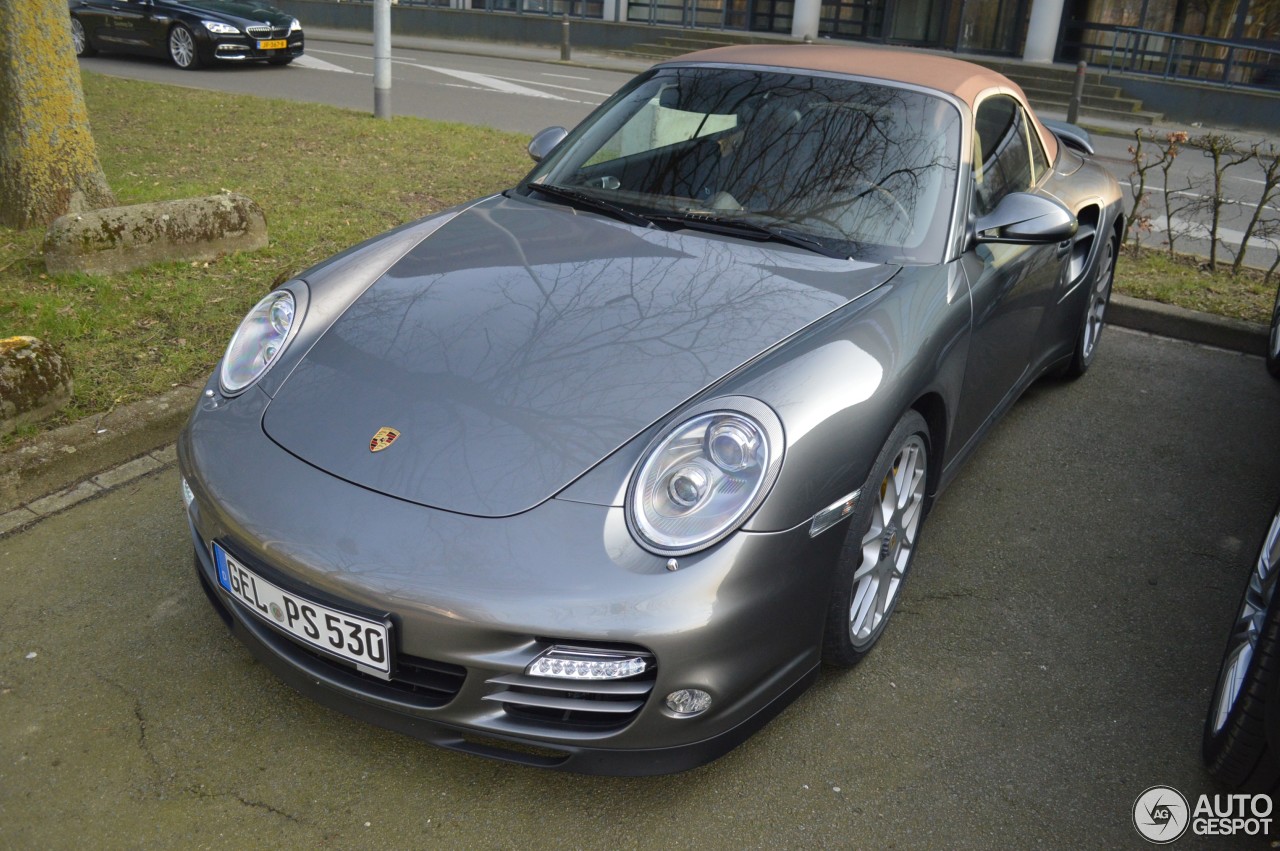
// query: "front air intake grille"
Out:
[424,682]
[264,31]
[428,679]
[572,704]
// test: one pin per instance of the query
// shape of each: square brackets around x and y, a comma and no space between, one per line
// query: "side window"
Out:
[1003,150]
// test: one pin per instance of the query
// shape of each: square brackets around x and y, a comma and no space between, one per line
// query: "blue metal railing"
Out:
[1174,56]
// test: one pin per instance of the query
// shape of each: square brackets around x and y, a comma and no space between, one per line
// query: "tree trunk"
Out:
[48,160]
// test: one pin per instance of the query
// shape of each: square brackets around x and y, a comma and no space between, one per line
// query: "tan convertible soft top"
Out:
[962,79]
[916,67]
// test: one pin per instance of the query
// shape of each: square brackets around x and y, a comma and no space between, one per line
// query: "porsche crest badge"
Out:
[384,438]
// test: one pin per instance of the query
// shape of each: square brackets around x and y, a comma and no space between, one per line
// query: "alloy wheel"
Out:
[77,36]
[1099,296]
[182,47]
[889,543]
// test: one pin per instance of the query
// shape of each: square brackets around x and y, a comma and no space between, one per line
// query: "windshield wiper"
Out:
[748,230]
[591,202]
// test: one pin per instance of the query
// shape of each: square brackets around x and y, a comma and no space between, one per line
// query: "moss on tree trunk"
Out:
[48,160]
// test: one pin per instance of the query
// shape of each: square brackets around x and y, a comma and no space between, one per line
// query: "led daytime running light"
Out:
[565,664]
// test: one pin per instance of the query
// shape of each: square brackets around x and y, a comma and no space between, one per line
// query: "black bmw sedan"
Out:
[192,34]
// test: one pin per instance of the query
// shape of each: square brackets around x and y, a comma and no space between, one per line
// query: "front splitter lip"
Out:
[527,751]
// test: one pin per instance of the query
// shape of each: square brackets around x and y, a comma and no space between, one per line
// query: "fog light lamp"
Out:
[688,701]
[188,496]
[571,663]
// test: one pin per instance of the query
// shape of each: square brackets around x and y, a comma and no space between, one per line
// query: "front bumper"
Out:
[473,601]
[242,48]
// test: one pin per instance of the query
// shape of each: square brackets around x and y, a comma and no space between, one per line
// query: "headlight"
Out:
[295,26]
[700,480]
[257,341]
[220,28]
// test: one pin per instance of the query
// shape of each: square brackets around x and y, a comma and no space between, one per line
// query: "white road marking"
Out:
[492,83]
[338,53]
[308,61]
[555,86]
[1230,202]
[1196,230]
[485,82]
[566,77]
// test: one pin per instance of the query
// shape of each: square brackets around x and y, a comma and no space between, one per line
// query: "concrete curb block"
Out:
[1167,320]
[117,239]
[82,460]
[53,462]
[21,518]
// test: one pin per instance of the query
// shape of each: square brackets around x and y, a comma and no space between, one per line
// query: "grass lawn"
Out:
[327,178]
[1179,280]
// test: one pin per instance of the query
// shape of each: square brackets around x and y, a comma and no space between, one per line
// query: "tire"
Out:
[182,48]
[80,39]
[280,60]
[1095,311]
[1273,342]
[1236,749]
[879,545]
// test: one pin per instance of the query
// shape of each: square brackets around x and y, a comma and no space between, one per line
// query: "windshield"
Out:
[866,170]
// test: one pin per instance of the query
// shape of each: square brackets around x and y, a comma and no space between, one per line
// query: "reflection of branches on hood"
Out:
[546,368]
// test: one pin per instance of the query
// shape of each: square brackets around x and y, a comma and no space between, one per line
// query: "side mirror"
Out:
[1025,219]
[545,142]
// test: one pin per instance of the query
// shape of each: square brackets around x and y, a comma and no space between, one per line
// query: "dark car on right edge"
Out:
[1242,730]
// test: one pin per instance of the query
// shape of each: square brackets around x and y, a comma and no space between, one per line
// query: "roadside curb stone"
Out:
[1168,320]
[64,457]
[20,518]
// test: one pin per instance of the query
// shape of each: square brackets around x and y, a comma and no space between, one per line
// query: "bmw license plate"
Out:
[352,637]
[273,44]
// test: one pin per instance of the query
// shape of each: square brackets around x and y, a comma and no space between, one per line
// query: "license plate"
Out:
[352,637]
[274,44]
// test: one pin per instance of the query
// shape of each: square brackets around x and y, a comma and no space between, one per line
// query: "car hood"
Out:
[243,10]
[523,342]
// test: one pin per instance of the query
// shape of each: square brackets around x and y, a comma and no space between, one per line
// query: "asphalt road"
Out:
[1051,658]
[509,94]
[1189,189]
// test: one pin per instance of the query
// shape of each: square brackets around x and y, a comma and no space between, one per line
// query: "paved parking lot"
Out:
[1051,659]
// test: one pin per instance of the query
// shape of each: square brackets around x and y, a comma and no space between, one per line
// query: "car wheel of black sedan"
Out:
[880,544]
[182,48]
[1236,747]
[1273,343]
[1094,313]
[79,40]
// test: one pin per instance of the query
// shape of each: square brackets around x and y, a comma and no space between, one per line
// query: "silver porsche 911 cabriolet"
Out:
[597,472]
